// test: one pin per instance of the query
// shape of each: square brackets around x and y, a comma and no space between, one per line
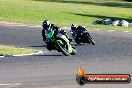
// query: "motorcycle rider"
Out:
[80,34]
[77,30]
[47,27]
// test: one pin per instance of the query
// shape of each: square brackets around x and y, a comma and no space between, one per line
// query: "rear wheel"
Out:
[77,40]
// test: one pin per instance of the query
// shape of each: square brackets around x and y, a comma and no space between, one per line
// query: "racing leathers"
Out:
[57,30]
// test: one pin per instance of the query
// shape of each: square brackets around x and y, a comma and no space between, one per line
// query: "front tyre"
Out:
[73,52]
[62,49]
[89,39]
[92,42]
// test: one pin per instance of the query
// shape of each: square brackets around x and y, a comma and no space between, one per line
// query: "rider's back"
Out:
[80,29]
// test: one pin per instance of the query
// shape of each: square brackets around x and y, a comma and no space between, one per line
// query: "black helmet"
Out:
[73,27]
[46,24]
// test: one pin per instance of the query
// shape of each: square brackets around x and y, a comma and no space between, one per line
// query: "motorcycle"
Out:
[60,43]
[82,37]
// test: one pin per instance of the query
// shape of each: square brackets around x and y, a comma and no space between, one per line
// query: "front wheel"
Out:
[92,42]
[64,51]
[73,52]
[89,39]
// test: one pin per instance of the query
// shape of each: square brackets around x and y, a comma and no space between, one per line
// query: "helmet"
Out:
[46,24]
[73,27]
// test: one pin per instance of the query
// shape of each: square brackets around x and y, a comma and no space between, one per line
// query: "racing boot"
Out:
[49,46]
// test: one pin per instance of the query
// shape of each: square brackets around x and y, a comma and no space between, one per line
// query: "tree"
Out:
[128,0]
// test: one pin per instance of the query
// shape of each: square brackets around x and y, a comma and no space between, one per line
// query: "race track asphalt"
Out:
[111,54]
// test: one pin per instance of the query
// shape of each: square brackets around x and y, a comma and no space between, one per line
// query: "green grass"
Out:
[10,50]
[66,12]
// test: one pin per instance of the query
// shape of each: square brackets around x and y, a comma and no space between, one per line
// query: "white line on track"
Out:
[38,52]
[11,84]
[97,29]
[37,26]
[130,33]
[5,84]
[1,56]
[23,25]
[126,31]
[110,30]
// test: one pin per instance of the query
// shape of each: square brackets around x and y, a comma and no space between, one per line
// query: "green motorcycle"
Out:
[61,43]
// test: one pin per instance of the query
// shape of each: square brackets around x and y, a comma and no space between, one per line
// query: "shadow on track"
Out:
[100,17]
[38,46]
[47,55]
[108,4]
[80,44]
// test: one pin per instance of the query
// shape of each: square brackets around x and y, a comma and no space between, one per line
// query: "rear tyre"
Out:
[77,40]
[62,49]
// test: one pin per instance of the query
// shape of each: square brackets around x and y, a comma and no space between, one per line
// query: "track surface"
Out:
[111,54]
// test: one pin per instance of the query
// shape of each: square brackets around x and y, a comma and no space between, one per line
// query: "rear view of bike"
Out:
[81,35]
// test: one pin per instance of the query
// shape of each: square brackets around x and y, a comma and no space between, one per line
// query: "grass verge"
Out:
[11,50]
[66,12]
